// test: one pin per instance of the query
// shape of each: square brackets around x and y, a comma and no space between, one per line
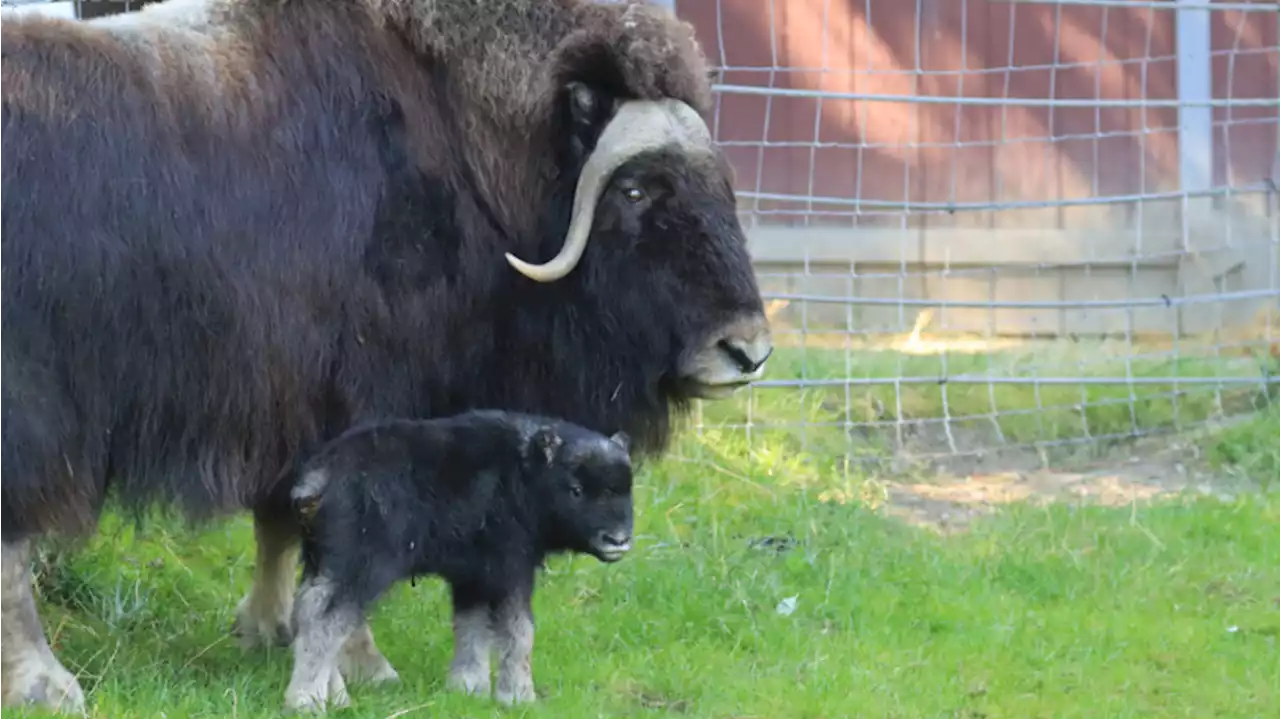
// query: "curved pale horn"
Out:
[638,126]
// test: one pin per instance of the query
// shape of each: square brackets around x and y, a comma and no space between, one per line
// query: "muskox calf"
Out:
[479,499]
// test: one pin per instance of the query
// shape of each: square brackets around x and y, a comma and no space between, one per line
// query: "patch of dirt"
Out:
[653,700]
[951,500]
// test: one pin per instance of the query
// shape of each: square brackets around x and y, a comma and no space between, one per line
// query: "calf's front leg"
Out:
[322,630]
[472,641]
[31,674]
[513,634]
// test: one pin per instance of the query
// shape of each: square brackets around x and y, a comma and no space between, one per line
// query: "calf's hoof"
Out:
[519,692]
[41,682]
[367,669]
[314,705]
[315,695]
[316,702]
[472,680]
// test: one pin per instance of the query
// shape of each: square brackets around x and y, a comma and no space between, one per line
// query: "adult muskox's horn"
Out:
[638,125]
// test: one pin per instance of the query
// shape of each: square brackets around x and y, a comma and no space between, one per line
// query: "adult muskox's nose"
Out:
[748,344]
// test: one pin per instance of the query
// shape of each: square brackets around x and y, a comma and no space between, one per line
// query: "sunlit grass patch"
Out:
[1057,611]
[861,407]
[769,580]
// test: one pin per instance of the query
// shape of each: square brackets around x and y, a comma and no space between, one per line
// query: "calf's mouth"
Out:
[610,546]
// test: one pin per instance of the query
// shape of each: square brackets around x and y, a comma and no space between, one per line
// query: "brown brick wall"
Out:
[975,48]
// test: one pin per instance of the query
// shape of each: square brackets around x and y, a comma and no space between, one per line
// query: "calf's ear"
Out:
[622,440]
[544,443]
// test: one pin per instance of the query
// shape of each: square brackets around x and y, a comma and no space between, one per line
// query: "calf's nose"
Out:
[617,539]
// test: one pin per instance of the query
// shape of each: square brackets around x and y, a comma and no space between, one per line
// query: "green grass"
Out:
[873,418]
[1171,610]
[1251,448]
[1055,613]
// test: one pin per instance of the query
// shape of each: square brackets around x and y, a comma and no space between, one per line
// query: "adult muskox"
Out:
[232,228]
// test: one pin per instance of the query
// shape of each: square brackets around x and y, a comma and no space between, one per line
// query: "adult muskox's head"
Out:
[653,238]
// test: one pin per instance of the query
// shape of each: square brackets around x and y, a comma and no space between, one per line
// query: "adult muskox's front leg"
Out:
[264,617]
[31,674]
[513,634]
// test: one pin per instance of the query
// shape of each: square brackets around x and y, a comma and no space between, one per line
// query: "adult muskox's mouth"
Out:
[719,383]
[702,390]
[735,358]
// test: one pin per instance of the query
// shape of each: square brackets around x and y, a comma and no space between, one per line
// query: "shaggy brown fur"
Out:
[507,61]
[233,228]
[511,60]
[212,77]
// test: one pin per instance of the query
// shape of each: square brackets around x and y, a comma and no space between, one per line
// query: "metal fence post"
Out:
[1195,85]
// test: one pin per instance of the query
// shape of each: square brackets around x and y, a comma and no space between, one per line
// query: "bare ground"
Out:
[1147,470]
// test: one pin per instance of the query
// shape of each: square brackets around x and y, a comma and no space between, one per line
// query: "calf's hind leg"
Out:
[360,660]
[31,674]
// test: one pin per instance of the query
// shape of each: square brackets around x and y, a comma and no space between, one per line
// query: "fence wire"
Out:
[990,228]
[997,228]
[54,8]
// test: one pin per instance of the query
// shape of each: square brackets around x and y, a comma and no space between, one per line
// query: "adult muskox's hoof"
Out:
[43,682]
[260,624]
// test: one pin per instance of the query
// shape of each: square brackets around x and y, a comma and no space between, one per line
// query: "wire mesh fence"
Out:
[992,228]
[75,9]
[53,8]
[997,228]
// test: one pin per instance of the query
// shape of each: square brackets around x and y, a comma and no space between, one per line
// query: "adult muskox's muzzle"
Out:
[748,355]
[731,358]
[611,545]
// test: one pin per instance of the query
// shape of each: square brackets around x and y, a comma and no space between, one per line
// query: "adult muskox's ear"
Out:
[636,51]
[622,440]
[582,101]
[543,445]
[588,108]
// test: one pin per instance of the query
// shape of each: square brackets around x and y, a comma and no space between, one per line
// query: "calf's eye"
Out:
[575,491]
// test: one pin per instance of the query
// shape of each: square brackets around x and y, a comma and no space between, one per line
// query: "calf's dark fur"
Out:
[479,499]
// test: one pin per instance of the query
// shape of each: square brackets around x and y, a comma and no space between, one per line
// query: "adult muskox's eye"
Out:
[633,194]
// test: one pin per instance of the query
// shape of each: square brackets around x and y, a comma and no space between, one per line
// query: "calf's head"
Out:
[585,490]
[654,241]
